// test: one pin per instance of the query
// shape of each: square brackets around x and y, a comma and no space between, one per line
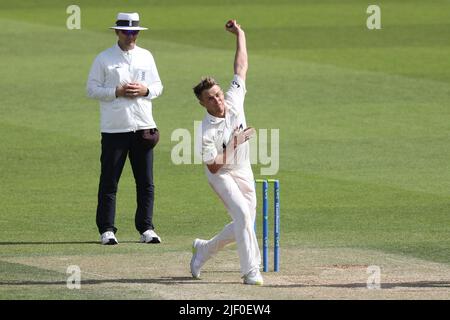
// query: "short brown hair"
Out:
[205,84]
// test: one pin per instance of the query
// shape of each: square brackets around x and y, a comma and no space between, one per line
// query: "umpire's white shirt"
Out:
[114,67]
[214,133]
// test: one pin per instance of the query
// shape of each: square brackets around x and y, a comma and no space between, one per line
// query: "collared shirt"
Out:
[215,133]
[114,67]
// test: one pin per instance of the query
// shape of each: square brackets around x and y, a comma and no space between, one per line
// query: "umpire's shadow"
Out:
[163,280]
[18,243]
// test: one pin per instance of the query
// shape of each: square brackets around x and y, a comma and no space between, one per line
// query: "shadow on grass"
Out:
[417,284]
[19,243]
[190,280]
[165,280]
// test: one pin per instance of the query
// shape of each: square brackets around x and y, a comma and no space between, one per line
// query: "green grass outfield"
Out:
[364,121]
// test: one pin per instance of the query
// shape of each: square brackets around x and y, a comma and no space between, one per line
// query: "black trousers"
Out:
[115,149]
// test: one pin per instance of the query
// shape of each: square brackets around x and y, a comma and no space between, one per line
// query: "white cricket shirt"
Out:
[113,67]
[215,133]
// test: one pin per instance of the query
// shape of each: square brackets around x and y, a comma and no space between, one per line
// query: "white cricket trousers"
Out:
[236,189]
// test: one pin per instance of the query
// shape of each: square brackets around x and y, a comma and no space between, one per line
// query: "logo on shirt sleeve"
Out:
[234,83]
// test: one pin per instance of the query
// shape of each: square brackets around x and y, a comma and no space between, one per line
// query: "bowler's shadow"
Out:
[415,284]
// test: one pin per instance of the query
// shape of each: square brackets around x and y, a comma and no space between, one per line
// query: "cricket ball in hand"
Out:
[229,24]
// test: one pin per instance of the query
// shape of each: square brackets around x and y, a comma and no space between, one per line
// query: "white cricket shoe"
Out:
[108,237]
[197,260]
[254,277]
[150,236]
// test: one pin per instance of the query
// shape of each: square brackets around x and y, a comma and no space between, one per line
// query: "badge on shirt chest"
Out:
[141,75]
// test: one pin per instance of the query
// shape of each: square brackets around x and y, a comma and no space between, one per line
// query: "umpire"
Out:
[124,79]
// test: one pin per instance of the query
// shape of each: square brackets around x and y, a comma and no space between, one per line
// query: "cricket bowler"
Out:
[223,144]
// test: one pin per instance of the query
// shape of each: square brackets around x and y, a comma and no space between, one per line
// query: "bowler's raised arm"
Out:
[240,59]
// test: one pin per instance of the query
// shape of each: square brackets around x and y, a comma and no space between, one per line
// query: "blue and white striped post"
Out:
[276,226]
[265,222]
[265,226]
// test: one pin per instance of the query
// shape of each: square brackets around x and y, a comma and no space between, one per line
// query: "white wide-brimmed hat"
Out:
[128,21]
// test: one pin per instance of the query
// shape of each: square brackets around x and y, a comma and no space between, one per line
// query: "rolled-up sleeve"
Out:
[209,151]
[96,83]
[236,93]
[205,147]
